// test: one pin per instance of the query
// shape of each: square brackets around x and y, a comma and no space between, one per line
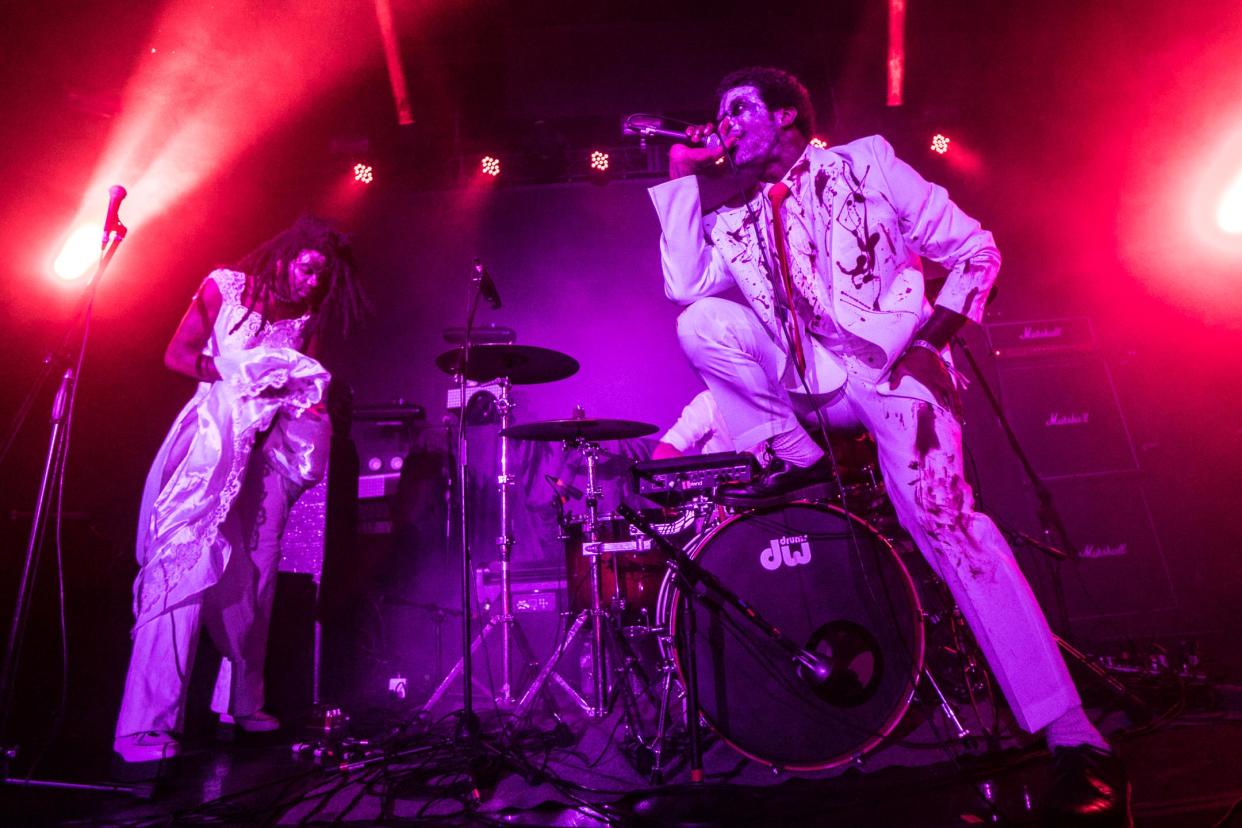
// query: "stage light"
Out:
[940,143]
[79,254]
[490,166]
[1229,211]
[191,106]
[364,173]
[599,161]
[819,143]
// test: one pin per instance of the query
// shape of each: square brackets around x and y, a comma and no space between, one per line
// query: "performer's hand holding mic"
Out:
[704,151]
[695,147]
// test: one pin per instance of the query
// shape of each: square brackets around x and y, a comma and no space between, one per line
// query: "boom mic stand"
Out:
[468,726]
[51,485]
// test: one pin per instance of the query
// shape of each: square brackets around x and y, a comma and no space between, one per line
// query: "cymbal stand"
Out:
[598,704]
[504,543]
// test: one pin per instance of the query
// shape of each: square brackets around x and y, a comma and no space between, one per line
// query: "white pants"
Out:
[920,455]
[237,612]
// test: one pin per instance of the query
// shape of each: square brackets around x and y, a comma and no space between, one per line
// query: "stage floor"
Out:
[1184,769]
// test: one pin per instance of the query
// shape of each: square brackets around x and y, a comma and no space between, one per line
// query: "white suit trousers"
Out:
[237,612]
[920,456]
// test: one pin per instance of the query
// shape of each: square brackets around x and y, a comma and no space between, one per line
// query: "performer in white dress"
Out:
[253,437]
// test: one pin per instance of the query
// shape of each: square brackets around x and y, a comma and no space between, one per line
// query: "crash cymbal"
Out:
[591,430]
[522,364]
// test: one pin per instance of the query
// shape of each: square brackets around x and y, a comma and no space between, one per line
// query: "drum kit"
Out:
[796,632]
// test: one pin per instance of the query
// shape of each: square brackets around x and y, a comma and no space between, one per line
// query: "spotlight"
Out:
[78,255]
[599,161]
[1229,211]
[819,143]
[490,166]
[364,173]
[940,143]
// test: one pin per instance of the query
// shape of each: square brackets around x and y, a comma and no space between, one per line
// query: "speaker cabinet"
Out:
[1065,414]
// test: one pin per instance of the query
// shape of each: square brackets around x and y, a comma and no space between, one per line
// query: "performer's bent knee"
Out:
[714,321]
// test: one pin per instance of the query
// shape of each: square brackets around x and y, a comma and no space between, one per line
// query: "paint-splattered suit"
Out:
[857,220]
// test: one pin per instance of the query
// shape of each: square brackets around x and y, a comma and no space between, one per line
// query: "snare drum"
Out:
[630,570]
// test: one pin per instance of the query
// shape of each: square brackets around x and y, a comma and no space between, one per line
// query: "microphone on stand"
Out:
[648,127]
[486,286]
[112,222]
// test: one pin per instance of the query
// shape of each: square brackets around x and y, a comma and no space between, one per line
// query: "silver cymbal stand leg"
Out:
[598,703]
[505,544]
[591,534]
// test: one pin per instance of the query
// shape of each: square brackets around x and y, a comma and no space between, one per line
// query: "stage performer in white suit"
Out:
[825,246]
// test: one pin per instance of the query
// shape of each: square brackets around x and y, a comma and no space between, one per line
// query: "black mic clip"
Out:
[486,286]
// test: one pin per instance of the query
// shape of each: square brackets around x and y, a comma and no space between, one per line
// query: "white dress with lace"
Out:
[184,540]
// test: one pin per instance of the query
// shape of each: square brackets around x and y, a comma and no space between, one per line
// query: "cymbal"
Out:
[521,364]
[590,430]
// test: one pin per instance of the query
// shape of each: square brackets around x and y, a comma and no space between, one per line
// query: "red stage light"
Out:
[1229,211]
[490,166]
[940,143]
[364,173]
[819,143]
[599,161]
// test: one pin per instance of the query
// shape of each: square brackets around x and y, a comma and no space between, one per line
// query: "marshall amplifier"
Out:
[1015,340]
[1118,567]
[1059,397]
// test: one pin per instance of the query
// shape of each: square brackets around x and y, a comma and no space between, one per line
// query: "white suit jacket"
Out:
[857,219]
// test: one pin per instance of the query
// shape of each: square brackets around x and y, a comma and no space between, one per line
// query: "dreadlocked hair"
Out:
[342,304]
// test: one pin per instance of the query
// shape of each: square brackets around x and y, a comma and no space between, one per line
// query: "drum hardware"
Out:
[506,365]
[811,667]
[582,434]
[946,709]
[597,705]
[689,579]
[757,693]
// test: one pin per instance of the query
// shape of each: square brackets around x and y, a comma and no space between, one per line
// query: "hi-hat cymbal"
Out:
[521,364]
[590,430]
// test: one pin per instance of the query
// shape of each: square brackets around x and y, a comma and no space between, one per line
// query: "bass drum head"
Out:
[844,595]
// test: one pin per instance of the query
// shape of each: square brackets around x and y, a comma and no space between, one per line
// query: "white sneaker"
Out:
[257,722]
[150,746]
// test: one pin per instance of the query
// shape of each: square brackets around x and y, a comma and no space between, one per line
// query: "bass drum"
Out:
[831,583]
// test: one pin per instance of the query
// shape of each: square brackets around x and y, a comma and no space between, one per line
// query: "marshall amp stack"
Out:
[1059,395]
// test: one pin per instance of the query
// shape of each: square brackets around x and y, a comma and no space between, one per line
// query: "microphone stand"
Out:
[690,574]
[51,485]
[468,726]
[1049,519]
[1050,522]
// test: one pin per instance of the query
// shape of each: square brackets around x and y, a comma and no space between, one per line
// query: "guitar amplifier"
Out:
[1016,340]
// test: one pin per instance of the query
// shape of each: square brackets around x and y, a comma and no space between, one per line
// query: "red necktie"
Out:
[777,195]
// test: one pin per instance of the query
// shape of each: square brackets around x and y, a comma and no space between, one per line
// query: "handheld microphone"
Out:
[647,127]
[486,286]
[112,222]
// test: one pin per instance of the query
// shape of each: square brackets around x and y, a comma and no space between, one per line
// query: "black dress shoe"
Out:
[1089,787]
[776,483]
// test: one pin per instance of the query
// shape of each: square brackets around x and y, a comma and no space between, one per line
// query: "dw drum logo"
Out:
[791,551]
